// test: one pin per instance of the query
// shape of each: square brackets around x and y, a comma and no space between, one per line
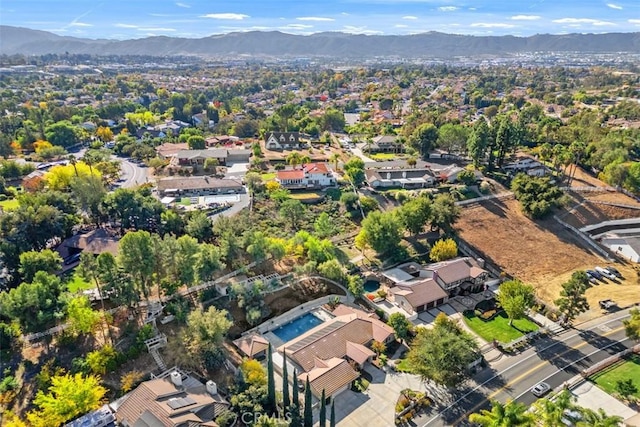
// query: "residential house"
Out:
[169,150]
[201,120]
[224,156]
[450,174]
[330,354]
[385,144]
[527,165]
[174,399]
[310,175]
[253,346]
[282,140]
[627,247]
[416,288]
[402,178]
[94,242]
[196,186]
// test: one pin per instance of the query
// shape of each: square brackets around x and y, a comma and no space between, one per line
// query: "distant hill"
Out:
[33,42]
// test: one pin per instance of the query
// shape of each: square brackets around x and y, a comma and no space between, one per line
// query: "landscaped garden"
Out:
[9,204]
[498,328]
[628,368]
[382,157]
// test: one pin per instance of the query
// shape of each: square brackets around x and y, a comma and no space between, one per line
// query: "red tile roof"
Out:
[290,174]
[315,168]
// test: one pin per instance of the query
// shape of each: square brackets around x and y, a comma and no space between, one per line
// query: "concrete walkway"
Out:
[588,395]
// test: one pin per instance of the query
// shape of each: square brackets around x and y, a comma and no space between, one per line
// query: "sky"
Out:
[127,19]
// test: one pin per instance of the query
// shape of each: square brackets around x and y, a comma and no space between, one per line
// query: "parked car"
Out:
[540,389]
[606,304]
[614,271]
[606,273]
[594,274]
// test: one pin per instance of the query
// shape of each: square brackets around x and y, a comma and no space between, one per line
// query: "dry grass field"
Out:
[542,253]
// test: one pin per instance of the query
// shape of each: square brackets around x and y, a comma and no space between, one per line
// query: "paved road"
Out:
[132,174]
[554,360]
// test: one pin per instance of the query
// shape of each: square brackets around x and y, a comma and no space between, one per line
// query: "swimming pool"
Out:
[297,327]
[371,285]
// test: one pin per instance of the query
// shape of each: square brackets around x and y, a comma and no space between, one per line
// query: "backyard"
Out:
[626,369]
[498,327]
[9,204]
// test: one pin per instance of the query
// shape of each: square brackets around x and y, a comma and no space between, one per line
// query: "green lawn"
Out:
[381,157]
[607,379]
[9,204]
[185,201]
[77,283]
[310,195]
[498,328]
[268,176]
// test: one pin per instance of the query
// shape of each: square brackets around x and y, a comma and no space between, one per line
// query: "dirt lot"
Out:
[542,253]
[585,209]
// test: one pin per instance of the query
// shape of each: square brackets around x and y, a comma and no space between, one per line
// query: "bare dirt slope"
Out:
[542,253]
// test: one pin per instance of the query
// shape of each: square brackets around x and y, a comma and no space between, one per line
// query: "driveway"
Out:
[376,406]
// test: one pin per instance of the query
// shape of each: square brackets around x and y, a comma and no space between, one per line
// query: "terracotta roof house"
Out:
[328,353]
[310,175]
[253,346]
[416,288]
[282,140]
[169,150]
[172,400]
[195,186]
[402,178]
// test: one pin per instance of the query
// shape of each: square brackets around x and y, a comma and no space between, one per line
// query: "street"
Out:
[132,174]
[554,360]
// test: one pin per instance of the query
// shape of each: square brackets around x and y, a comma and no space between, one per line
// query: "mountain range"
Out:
[17,40]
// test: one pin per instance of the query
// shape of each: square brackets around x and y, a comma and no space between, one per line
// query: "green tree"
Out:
[294,159]
[355,284]
[294,211]
[354,170]
[511,414]
[443,249]
[335,158]
[478,142]
[82,318]
[599,418]
[572,299]
[136,256]
[452,137]
[90,192]
[381,231]
[631,325]
[442,354]
[68,397]
[550,413]
[102,360]
[210,165]
[323,411]
[296,420]
[62,133]
[33,261]
[537,195]
[204,333]
[424,138]
[308,408]
[286,401]
[271,382]
[415,214]
[332,269]
[200,227]
[324,226]
[400,324]
[626,388]
[516,298]
[196,142]
[332,417]
[444,213]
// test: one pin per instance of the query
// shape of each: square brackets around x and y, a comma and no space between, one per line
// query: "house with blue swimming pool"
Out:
[327,348]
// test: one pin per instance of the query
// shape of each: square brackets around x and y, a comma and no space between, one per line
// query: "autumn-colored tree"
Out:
[41,145]
[104,134]
[443,249]
[60,177]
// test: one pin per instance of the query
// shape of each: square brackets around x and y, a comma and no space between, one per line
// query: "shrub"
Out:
[129,380]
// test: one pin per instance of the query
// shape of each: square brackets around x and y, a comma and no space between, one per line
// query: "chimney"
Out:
[176,379]
[212,388]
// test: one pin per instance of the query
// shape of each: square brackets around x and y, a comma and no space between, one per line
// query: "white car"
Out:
[606,273]
[540,389]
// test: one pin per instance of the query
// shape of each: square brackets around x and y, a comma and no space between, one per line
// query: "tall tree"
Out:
[204,334]
[551,413]
[296,420]
[200,227]
[332,420]
[354,170]
[286,402]
[271,384]
[599,418]
[442,354]
[136,255]
[308,405]
[324,226]
[415,214]
[82,318]
[516,298]
[511,414]
[400,324]
[293,210]
[478,141]
[381,231]
[335,158]
[294,159]
[572,299]
[423,138]
[33,261]
[323,410]
[632,325]
[444,213]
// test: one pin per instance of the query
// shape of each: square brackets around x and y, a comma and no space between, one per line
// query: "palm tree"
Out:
[73,161]
[598,419]
[305,159]
[551,412]
[89,159]
[335,158]
[510,414]
[294,158]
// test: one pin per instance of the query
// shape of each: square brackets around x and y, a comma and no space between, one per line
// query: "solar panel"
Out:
[180,402]
[315,336]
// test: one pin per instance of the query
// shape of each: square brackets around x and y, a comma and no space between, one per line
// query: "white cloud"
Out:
[125,26]
[226,16]
[157,29]
[614,6]
[410,18]
[180,4]
[491,25]
[589,21]
[315,19]
[297,26]
[526,17]
[448,8]
[352,29]
[80,24]
[401,26]
[634,21]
